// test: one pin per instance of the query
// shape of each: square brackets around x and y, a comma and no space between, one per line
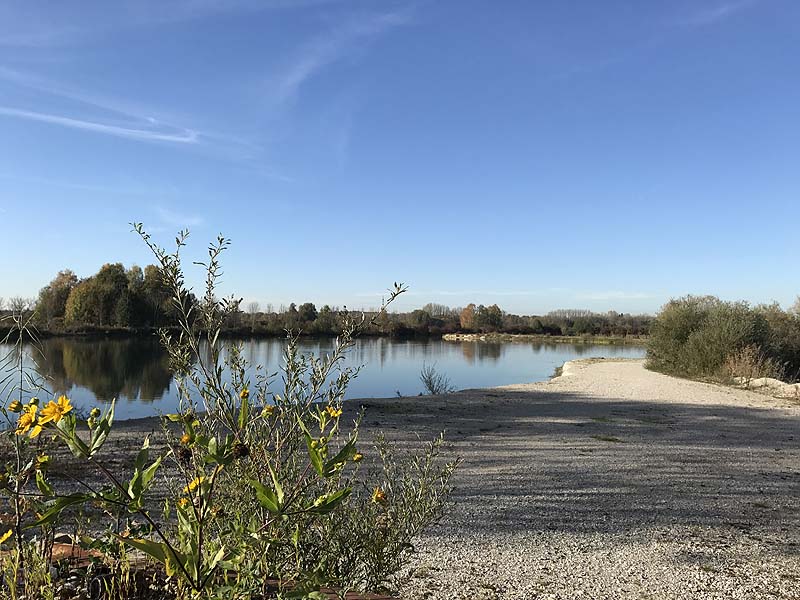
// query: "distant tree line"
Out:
[136,299]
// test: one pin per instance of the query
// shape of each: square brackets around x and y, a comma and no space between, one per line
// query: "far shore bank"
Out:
[97,332]
[554,339]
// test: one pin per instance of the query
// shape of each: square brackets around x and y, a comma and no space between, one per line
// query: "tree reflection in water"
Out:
[109,368]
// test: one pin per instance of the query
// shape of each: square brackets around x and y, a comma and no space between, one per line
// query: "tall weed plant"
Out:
[270,494]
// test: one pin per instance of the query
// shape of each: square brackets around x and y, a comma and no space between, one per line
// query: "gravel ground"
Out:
[610,481]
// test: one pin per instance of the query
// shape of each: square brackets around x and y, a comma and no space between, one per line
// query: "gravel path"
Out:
[610,482]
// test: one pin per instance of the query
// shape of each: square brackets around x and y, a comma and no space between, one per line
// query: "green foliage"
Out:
[696,336]
[369,540]
[256,476]
[113,297]
[488,318]
[52,301]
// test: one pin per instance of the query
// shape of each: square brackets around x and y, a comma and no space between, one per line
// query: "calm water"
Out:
[135,371]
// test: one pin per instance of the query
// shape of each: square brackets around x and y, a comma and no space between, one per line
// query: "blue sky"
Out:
[603,155]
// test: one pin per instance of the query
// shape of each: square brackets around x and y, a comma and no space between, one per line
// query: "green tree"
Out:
[307,312]
[94,301]
[488,318]
[52,301]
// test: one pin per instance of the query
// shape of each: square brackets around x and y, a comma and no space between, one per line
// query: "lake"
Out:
[136,372]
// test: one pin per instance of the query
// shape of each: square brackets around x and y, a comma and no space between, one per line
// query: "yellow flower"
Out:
[183,502]
[193,485]
[26,420]
[186,439]
[244,394]
[358,457]
[267,411]
[15,406]
[379,496]
[55,410]
[333,412]
[6,535]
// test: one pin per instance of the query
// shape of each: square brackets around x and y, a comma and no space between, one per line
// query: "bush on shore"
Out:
[705,337]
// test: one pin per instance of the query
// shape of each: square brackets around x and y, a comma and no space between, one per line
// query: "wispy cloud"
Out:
[184,136]
[23,25]
[716,13]
[121,118]
[329,48]
[131,188]
[177,220]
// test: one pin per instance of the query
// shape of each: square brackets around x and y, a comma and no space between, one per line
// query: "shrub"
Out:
[265,490]
[435,383]
[706,337]
[752,363]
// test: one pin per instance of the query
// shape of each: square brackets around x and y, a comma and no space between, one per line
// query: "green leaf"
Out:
[45,488]
[315,456]
[343,455]
[325,504]
[67,427]
[266,497]
[244,412]
[100,433]
[153,549]
[141,457]
[149,473]
[58,505]
[277,485]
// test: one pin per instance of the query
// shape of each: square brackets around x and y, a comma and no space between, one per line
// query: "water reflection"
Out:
[130,368]
[136,371]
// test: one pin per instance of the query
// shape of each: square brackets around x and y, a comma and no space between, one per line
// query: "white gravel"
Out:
[610,482]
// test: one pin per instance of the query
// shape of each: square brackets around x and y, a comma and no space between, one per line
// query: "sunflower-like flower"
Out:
[333,412]
[55,410]
[378,496]
[193,485]
[27,419]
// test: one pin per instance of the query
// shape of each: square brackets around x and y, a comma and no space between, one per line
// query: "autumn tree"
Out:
[467,317]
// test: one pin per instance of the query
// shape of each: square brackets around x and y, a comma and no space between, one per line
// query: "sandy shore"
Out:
[609,482]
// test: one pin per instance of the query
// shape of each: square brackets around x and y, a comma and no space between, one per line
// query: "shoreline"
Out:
[554,339]
[609,481]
